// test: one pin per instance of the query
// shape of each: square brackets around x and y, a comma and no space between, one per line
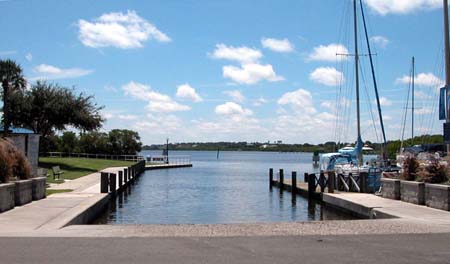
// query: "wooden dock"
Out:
[166,166]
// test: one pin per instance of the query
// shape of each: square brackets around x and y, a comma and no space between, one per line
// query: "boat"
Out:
[349,160]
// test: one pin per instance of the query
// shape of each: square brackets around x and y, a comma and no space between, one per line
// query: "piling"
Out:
[305,179]
[112,183]
[311,185]
[125,176]
[104,182]
[120,180]
[322,181]
[331,181]
[294,183]
[281,179]
[270,178]
[363,181]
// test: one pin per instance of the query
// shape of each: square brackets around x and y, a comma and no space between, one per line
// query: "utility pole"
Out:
[412,101]
[447,72]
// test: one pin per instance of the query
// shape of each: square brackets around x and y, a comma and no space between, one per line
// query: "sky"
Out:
[208,71]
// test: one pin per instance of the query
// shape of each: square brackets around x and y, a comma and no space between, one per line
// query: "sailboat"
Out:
[350,160]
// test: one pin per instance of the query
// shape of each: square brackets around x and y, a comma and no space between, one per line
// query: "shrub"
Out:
[410,168]
[433,172]
[13,163]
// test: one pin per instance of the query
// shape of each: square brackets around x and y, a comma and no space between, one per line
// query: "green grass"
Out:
[50,192]
[74,168]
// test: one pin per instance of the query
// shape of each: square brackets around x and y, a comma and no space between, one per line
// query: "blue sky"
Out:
[232,70]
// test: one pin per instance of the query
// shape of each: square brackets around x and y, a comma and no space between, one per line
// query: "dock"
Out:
[166,166]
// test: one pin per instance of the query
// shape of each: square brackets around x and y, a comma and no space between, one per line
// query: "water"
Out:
[231,189]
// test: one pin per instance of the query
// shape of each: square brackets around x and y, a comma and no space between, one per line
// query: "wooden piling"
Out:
[281,179]
[104,182]
[112,183]
[120,180]
[294,183]
[363,181]
[331,181]
[322,181]
[270,177]
[305,179]
[311,185]
[125,176]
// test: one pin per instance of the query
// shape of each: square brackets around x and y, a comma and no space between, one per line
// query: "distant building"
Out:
[279,142]
[26,141]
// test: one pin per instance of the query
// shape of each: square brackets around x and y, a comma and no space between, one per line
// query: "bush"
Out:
[410,168]
[13,163]
[433,172]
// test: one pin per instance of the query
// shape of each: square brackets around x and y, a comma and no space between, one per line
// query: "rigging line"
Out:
[369,104]
[406,109]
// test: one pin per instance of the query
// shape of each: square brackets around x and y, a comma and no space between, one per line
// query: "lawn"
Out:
[50,192]
[77,167]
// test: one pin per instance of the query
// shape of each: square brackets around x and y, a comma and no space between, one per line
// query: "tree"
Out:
[68,142]
[47,107]
[94,142]
[12,81]
[124,142]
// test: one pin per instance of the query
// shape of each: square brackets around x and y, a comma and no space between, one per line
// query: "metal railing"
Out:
[134,158]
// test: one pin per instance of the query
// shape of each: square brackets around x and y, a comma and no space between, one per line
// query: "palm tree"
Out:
[12,80]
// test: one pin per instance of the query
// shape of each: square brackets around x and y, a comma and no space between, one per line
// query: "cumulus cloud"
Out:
[277,45]
[231,108]
[260,101]
[187,92]
[422,79]
[119,30]
[384,101]
[381,41]
[299,100]
[49,72]
[29,57]
[328,53]
[385,7]
[327,76]
[235,95]
[240,54]
[251,73]
[157,102]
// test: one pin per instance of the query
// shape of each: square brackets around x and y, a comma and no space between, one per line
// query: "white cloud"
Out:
[384,7]
[241,54]
[260,101]
[381,41]
[328,53]
[127,117]
[29,57]
[231,108]
[384,101]
[235,95]
[120,30]
[251,73]
[423,111]
[277,45]
[157,102]
[159,124]
[327,76]
[187,92]
[299,100]
[49,72]
[422,95]
[422,79]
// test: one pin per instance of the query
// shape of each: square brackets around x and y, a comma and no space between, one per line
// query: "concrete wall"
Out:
[413,192]
[6,196]
[390,188]
[38,188]
[23,192]
[437,196]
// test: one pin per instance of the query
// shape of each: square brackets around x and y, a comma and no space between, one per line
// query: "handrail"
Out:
[134,158]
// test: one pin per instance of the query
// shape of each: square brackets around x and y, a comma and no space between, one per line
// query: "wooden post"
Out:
[130,174]
[281,179]
[311,185]
[363,181]
[350,183]
[305,179]
[125,176]
[120,180]
[294,183]
[331,181]
[322,181]
[270,177]
[112,183]
[104,182]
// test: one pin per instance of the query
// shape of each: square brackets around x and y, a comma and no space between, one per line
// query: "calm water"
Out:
[231,189]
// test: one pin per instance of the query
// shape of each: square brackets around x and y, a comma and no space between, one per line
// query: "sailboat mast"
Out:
[355,27]
[413,74]
[447,64]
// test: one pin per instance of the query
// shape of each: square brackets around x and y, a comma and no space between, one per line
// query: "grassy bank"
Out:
[77,167]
